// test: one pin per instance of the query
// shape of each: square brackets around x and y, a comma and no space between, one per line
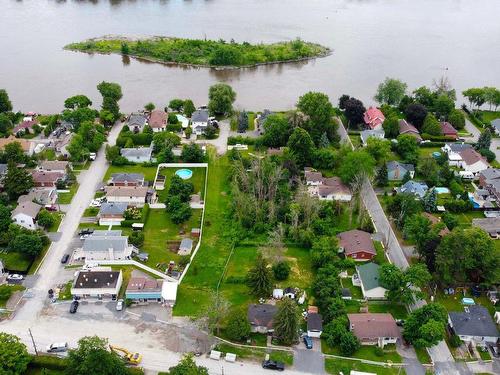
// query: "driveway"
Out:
[495,142]
[309,361]
[220,143]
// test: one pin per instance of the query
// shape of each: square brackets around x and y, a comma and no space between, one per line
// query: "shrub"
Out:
[379,352]
[48,362]
[184,261]
[437,138]
[432,144]
[455,341]
[132,213]
[236,280]
[281,270]
[172,119]
[240,140]
[176,128]
[137,238]
[145,213]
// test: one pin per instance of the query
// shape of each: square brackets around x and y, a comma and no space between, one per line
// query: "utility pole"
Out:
[33,341]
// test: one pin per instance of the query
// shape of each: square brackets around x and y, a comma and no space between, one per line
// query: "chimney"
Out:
[95,280]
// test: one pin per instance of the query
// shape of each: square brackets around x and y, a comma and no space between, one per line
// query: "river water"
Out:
[414,40]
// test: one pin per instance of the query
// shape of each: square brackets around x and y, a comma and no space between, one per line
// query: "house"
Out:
[277,293]
[413,187]
[54,166]
[474,325]
[435,220]
[472,161]
[137,154]
[374,328]
[488,175]
[144,289]
[490,225]
[158,120]
[407,128]
[289,293]
[112,213]
[312,177]
[357,244]
[25,214]
[495,124]
[374,118]
[333,189]
[261,316]
[185,246]
[126,179]
[136,122]
[448,130]
[453,151]
[375,133]
[24,127]
[61,145]
[396,170]
[105,245]
[47,179]
[314,325]
[132,195]
[368,275]
[26,146]
[97,284]
[199,121]
[45,197]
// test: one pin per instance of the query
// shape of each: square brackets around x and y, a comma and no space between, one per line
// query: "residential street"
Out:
[495,142]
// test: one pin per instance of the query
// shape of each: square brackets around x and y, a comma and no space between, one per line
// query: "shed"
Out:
[278,293]
[169,292]
[195,232]
[346,293]
[185,247]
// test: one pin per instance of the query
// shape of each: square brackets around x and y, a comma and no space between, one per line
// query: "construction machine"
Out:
[130,358]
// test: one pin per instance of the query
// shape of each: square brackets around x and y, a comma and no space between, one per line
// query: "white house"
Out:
[97,284]
[371,133]
[333,189]
[374,329]
[199,121]
[472,161]
[453,151]
[137,154]
[131,195]
[474,325]
[369,281]
[105,245]
[25,214]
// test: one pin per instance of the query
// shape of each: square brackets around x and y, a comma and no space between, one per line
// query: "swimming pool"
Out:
[185,174]
[183,120]
[442,190]
[468,301]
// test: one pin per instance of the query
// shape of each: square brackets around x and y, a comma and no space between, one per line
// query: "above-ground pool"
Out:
[468,301]
[442,190]
[185,174]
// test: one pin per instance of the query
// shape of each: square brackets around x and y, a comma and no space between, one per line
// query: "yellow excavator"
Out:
[130,358]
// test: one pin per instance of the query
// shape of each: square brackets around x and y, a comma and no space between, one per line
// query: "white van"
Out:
[57,347]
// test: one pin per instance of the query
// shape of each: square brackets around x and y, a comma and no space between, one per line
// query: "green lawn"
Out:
[15,261]
[336,366]
[251,118]
[454,302]
[38,260]
[148,172]
[397,311]
[91,212]
[426,152]
[58,218]
[65,293]
[355,139]
[485,355]
[422,355]
[366,352]
[488,116]
[81,166]
[355,290]
[65,198]
[282,356]
[198,181]
[11,289]
[380,258]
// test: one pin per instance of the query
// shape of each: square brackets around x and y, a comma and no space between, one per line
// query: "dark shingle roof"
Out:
[261,315]
[96,279]
[476,322]
[200,115]
[314,322]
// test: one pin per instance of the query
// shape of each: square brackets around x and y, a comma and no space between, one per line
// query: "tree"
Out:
[5,104]
[405,102]
[107,118]
[443,106]
[192,153]
[182,188]
[210,132]
[391,91]
[281,270]
[5,123]
[301,147]
[77,101]
[467,255]
[187,366]
[429,201]
[378,148]
[78,116]
[391,126]
[324,142]
[431,125]
[45,219]
[490,95]
[29,244]
[242,122]
[416,114]
[343,100]
[402,285]
[426,236]
[5,218]
[488,154]
[17,181]
[125,48]
[425,96]
[333,331]
[354,112]
[425,326]
[450,220]
[221,98]
[286,322]
[110,90]
[348,343]
[429,169]
[403,206]
[259,278]
[324,251]
[356,163]
[149,107]
[484,140]
[92,357]
[382,177]
[14,357]
[277,131]
[238,327]
[475,97]
[317,107]
[407,148]
[179,211]
[13,152]
[176,105]
[216,310]
[188,107]
[457,119]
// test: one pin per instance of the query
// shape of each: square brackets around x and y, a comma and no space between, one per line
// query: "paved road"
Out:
[495,142]
[440,353]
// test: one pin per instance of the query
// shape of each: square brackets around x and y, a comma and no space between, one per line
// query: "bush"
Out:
[145,213]
[379,352]
[136,238]
[455,341]
[432,144]
[240,140]
[458,205]
[184,261]
[437,138]
[172,119]
[48,362]
[281,270]
[488,154]
[236,280]
[176,128]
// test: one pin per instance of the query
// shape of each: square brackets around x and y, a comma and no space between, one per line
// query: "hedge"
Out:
[432,144]
[145,213]
[48,362]
[437,138]
[240,140]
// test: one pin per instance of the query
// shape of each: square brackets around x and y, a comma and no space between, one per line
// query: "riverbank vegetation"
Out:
[204,52]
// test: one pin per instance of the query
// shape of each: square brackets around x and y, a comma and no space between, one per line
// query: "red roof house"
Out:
[158,120]
[406,128]
[46,179]
[25,125]
[357,245]
[374,118]
[448,130]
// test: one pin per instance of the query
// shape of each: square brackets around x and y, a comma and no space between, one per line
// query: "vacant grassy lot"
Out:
[198,181]
[397,311]
[15,261]
[148,172]
[344,366]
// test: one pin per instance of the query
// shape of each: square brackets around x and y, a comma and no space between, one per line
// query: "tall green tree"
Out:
[431,125]
[443,106]
[286,322]
[277,131]
[188,107]
[475,97]
[382,177]
[317,107]
[457,119]
[187,366]
[259,278]
[14,357]
[110,90]
[238,327]
[17,181]
[391,91]
[356,163]
[92,357]
[5,219]
[5,123]
[425,327]
[77,101]
[402,285]
[354,112]
[401,207]
[301,147]
[5,103]
[192,153]
[391,126]
[29,244]
[407,148]
[416,114]
[484,141]
[378,148]
[221,98]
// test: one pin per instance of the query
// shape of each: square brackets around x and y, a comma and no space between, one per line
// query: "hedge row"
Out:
[240,140]
[437,138]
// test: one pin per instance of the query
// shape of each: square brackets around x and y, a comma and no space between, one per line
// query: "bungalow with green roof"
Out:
[369,279]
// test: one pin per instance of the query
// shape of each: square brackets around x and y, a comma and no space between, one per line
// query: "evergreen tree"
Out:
[286,322]
[429,201]
[484,140]
[324,142]
[259,278]
[381,178]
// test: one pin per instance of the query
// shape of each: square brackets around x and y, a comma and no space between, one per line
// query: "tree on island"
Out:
[221,98]
[391,91]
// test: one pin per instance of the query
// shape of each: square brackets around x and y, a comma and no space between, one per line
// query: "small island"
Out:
[206,53]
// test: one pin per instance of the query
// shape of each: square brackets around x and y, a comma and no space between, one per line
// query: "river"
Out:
[414,40]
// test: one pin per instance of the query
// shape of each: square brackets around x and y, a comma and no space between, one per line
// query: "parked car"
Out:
[119,305]
[92,156]
[73,307]
[50,207]
[57,347]
[308,342]
[65,258]
[273,365]
[15,277]
[85,231]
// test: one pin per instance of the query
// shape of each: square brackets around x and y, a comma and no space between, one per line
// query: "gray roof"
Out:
[490,225]
[369,274]
[496,123]
[200,115]
[414,187]
[186,243]
[137,152]
[490,174]
[457,147]
[475,322]
[28,208]
[113,208]
[392,165]
[365,134]
[261,314]
[137,119]
[96,279]
[3,169]
[314,322]
[100,233]
[104,243]
[127,177]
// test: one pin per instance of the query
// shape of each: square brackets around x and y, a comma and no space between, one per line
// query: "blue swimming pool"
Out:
[442,190]
[185,174]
